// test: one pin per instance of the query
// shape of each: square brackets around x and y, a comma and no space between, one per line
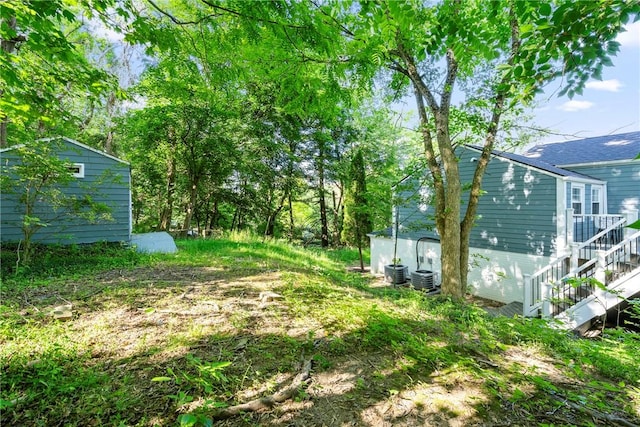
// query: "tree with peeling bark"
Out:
[517,46]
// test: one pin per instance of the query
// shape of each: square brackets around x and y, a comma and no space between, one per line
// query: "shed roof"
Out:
[608,148]
[73,142]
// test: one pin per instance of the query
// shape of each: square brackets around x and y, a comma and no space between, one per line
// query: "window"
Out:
[577,198]
[77,170]
[596,200]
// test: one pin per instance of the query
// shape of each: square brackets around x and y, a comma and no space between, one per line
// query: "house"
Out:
[545,214]
[97,176]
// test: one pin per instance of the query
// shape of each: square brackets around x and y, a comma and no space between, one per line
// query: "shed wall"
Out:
[105,179]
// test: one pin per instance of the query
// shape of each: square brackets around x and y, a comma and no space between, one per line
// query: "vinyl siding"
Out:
[105,179]
[517,213]
[623,184]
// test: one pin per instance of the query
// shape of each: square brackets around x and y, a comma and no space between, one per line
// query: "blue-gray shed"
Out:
[98,175]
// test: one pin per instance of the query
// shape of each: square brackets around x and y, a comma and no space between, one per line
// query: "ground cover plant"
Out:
[176,339]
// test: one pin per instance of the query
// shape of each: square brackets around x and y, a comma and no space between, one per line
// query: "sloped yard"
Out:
[176,339]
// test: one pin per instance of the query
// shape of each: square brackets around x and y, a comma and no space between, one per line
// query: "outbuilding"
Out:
[98,179]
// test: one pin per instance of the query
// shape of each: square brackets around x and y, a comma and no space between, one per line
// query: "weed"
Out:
[132,325]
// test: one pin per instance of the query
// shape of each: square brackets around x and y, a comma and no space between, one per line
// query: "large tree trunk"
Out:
[452,283]
[448,188]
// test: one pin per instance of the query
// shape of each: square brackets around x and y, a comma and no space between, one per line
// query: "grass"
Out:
[165,340]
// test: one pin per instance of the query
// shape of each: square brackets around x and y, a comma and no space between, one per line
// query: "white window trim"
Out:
[580,187]
[80,173]
[600,189]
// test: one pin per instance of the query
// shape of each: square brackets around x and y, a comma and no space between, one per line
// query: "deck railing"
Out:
[587,241]
[603,232]
[604,269]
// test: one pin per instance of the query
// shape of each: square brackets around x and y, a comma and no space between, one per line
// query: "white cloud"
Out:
[631,37]
[612,85]
[571,106]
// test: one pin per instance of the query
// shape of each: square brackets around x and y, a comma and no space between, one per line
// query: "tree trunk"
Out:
[291,223]
[167,211]
[214,215]
[8,46]
[193,195]
[450,240]
[324,225]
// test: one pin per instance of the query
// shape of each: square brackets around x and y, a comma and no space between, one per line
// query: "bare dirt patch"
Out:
[143,324]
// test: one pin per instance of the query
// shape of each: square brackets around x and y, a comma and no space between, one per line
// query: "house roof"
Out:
[536,163]
[600,149]
[73,142]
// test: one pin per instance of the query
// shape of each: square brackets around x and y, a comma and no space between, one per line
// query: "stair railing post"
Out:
[600,275]
[527,301]
[575,255]
[631,216]
[569,227]
[546,299]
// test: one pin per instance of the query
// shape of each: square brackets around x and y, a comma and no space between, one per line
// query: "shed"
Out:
[97,176]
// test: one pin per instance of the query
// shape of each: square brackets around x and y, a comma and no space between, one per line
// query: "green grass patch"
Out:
[168,339]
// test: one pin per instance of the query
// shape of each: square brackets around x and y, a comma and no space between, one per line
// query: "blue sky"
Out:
[606,107]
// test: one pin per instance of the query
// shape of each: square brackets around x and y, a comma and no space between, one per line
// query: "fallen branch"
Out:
[612,419]
[268,402]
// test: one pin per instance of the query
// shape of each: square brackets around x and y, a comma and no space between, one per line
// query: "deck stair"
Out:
[595,277]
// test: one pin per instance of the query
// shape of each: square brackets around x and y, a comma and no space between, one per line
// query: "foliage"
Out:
[51,261]
[42,68]
[135,325]
[516,49]
[635,225]
[357,217]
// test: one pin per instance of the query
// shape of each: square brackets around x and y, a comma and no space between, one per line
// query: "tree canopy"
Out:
[246,114]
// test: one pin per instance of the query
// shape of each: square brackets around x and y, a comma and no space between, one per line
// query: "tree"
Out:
[40,67]
[516,46]
[357,220]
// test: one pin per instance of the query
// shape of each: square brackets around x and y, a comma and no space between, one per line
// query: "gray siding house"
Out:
[536,206]
[98,175]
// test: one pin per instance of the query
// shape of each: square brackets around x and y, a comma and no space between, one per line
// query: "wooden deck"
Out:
[507,310]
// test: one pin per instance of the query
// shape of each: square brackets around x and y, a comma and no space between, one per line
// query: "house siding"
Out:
[516,214]
[106,179]
[623,184]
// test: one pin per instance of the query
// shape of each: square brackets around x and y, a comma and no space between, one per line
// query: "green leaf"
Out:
[545,9]
[635,225]
[187,420]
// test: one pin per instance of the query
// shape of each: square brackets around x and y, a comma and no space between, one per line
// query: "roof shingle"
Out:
[623,146]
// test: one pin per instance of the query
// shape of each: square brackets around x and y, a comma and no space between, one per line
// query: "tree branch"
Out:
[269,401]
[253,18]
[176,20]
[494,125]
[432,162]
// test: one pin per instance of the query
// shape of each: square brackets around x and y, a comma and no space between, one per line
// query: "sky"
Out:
[605,107]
